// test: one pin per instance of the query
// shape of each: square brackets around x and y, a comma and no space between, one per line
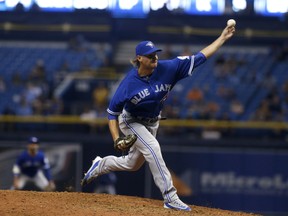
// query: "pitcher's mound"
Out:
[33,203]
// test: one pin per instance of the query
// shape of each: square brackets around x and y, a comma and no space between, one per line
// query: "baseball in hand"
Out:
[231,22]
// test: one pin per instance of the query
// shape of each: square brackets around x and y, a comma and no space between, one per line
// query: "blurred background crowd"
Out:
[246,82]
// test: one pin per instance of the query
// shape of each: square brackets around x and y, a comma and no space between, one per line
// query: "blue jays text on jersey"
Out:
[145,96]
[29,165]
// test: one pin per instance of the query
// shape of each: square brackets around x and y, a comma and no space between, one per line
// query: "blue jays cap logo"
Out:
[146,48]
[150,44]
[33,140]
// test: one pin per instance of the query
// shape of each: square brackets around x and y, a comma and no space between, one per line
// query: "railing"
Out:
[167,123]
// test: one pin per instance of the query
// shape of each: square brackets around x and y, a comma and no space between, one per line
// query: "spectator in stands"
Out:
[32,92]
[275,108]
[220,72]
[60,75]
[38,106]
[196,111]
[103,54]
[195,95]
[251,77]
[88,113]
[2,84]
[38,73]
[53,106]
[269,81]
[262,113]
[16,79]
[211,110]
[78,43]
[226,93]
[225,116]
[172,108]
[92,112]
[100,96]
[236,109]
[24,108]
[226,67]
[225,131]
[32,166]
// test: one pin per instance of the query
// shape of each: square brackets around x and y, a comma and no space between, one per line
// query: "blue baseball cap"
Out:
[33,140]
[146,48]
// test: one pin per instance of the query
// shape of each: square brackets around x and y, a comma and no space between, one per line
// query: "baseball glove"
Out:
[123,144]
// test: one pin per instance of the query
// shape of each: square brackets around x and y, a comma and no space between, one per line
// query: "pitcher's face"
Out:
[149,61]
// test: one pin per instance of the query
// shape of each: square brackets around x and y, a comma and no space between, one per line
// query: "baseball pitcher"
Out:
[136,110]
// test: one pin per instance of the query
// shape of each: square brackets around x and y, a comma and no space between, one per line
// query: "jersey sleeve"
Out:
[186,64]
[16,170]
[118,101]
[199,59]
[46,168]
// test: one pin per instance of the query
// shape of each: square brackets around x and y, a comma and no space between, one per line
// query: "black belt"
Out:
[149,120]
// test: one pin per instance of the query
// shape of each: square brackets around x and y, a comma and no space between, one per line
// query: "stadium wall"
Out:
[241,175]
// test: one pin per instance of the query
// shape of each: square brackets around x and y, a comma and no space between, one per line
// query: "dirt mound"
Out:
[30,203]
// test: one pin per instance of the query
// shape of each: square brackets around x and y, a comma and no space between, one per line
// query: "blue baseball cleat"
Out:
[91,175]
[177,205]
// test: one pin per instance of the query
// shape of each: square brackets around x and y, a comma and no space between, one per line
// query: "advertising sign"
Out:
[239,179]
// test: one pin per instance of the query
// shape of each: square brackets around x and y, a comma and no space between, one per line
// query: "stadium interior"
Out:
[59,69]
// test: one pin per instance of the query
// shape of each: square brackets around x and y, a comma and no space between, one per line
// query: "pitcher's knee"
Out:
[132,167]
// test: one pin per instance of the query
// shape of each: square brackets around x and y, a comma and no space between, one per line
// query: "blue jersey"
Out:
[145,96]
[29,165]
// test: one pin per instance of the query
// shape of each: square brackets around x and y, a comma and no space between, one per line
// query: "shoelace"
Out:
[180,204]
